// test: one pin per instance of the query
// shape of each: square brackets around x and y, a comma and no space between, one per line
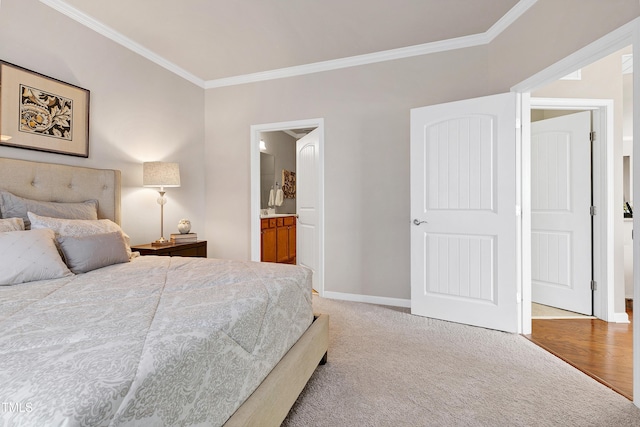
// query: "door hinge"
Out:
[592,210]
[594,285]
[592,136]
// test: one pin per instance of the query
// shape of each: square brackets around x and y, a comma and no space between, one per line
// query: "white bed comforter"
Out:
[157,341]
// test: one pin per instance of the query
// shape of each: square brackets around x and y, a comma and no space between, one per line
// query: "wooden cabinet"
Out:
[278,241]
[268,239]
[192,249]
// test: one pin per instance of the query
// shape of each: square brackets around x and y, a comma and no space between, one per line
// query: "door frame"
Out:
[628,34]
[255,187]
[602,189]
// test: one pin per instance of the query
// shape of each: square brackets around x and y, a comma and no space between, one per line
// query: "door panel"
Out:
[307,230]
[561,246]
[463,258]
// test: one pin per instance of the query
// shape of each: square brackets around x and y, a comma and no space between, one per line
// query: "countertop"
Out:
[276,215]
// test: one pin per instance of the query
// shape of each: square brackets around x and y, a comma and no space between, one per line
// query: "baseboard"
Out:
[621,318]
[394,302]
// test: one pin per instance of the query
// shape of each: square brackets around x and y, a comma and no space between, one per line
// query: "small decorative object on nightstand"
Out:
[191,249]
[184,226]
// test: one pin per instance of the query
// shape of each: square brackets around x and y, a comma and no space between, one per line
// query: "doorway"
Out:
[310,190]
[561,210]
[610,285]
[602,86]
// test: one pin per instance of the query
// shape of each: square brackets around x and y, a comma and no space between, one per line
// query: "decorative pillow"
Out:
[15,206]
[78,227]
[11,224]
[27,256]
[86,253]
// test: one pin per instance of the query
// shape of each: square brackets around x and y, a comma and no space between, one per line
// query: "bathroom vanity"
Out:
[278,238]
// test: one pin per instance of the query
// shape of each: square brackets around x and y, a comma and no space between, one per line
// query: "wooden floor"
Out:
[600,349]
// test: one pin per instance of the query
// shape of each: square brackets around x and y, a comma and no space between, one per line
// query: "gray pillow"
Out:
[78,227]
[27,256]
[15,206]
[86,253]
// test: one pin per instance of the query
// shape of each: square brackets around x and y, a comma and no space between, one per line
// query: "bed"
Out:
[145,340]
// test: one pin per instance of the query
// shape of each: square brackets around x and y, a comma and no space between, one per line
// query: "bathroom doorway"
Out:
[300,146]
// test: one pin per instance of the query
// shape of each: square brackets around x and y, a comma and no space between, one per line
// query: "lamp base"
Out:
[161,242]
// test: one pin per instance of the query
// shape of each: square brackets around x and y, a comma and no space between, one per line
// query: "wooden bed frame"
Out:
[271,401]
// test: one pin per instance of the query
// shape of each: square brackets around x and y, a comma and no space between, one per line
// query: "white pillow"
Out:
[11,224]
[27,256]
[78,227]
[86,253]
[15,206]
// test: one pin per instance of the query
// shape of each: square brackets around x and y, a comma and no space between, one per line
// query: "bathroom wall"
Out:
[283,147]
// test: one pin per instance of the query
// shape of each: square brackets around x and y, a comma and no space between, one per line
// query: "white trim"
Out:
[353,61]
[621,318]
[388,55]
[635,38]
[119,38]
[255,187]
[392,302]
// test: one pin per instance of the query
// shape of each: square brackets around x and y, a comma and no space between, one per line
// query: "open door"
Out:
[463,212]
[561,221]
[307,228]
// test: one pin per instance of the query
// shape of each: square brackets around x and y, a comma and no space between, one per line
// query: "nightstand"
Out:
[192,249]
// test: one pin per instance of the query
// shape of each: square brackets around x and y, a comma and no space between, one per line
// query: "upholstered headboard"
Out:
[62,183]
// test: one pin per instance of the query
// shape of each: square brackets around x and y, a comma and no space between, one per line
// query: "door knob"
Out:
[418,222]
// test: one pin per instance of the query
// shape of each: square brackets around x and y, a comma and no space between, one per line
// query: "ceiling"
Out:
[213,40]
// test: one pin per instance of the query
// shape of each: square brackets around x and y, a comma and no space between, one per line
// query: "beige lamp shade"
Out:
[160,174]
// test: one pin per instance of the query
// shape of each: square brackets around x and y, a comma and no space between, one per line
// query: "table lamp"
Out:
[161,174]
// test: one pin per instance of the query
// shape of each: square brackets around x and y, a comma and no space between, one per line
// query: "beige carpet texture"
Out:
[389,368]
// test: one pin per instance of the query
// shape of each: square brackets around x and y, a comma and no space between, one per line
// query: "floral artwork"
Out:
[289,184]
[45,113]
[42,113]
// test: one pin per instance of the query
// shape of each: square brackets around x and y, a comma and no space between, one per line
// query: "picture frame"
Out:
[41,113]
[289,184]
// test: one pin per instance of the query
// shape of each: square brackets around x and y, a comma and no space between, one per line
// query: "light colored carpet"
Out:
[540,311]
[389,368]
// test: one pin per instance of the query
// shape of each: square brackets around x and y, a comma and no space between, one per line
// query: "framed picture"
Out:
[41,113]
[289,184]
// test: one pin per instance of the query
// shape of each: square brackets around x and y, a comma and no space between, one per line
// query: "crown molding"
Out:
[388,55]
[509,18]
[352,61]
[119,38]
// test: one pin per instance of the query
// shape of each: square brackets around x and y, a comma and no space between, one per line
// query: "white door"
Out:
[463,212]
[561,212]
[307,202]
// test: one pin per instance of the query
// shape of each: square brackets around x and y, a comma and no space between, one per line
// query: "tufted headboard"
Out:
[62,183]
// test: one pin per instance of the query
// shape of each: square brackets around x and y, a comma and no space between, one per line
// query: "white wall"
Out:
[142,112]
[138,112]
[366,113]
[366,116]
